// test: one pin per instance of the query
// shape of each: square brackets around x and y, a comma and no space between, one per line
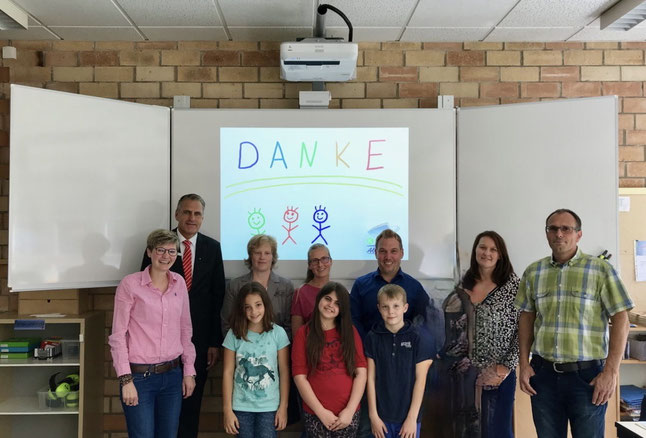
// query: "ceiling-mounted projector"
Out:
[318,60]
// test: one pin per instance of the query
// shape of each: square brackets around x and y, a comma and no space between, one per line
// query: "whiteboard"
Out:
[517,163]
[90,178]
[431,179]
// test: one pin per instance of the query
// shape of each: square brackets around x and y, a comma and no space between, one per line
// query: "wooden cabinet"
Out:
[20,379]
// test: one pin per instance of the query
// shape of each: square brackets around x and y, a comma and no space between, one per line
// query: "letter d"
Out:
[240,166]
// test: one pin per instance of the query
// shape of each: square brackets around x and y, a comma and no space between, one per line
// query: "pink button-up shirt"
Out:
[149,326]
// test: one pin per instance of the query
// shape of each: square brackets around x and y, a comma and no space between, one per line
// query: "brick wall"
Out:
[389,75]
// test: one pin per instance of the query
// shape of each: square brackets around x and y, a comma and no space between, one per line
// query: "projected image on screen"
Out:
[336,186]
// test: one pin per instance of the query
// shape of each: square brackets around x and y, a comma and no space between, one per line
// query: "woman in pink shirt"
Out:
[319,264]
[151,344]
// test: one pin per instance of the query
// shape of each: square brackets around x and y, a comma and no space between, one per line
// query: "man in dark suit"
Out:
[202,268]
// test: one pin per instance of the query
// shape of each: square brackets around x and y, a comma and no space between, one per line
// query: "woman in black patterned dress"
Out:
[474,380]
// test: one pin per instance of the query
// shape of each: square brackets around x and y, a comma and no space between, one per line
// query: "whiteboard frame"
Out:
[83,228]
[160,141]
[579,132]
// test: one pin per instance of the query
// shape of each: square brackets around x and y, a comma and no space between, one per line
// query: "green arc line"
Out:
[364,178]
[312,183]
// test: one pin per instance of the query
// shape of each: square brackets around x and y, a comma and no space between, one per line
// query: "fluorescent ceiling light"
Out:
[12,16]
[624,15]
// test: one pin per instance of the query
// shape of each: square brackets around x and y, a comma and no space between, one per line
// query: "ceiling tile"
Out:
[269,33]
[184,33]
[97,33]
[593,32]
[531,33]
[472,13]
[364,33]
[74,12]
[267,13]
[172,13]
[444,34]
[33,33]
[556,13]
[370,13]
[283,20]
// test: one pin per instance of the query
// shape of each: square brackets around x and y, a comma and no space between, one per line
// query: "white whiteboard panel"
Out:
[431,247]
[517,163]
[89,179]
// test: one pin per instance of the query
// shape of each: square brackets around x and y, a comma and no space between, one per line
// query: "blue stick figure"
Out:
[320,216]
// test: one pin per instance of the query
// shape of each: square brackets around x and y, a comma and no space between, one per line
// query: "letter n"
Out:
[306,155]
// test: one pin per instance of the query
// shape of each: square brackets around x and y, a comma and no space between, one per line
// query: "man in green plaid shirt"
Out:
[566,301]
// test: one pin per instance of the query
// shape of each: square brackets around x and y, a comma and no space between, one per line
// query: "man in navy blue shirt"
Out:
[389,252]
[363,297]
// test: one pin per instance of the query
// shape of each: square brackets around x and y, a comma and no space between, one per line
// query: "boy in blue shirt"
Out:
[398,362]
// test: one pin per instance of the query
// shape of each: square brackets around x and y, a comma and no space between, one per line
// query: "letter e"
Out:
[370,154]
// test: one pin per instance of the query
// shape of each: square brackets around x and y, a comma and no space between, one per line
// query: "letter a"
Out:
[240,166]
[277,149]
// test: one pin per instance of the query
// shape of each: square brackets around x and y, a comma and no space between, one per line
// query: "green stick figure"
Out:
[256,221]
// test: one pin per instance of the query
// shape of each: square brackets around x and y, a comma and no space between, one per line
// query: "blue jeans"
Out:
[160,401]
[256,424]
[497,406]
[566,396]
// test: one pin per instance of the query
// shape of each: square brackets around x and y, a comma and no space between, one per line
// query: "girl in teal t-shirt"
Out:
[255,378]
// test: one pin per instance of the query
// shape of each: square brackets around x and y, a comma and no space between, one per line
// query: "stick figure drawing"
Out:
[256,221]
[320,216]
[290,217]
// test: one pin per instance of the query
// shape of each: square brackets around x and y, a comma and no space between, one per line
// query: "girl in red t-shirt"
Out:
[329,367]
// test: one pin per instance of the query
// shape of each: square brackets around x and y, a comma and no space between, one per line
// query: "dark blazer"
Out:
[207,291]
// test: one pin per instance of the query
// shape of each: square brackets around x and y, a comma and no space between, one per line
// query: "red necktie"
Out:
[186,263]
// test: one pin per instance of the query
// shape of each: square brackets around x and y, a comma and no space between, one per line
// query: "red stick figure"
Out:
[290,216]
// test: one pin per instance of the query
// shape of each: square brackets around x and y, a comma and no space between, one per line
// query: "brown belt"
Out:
[154,368]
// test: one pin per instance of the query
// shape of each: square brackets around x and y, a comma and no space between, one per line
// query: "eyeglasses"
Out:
[161,251]
[565,229]
[322,260]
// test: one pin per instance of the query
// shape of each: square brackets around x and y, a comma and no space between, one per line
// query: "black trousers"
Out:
[189,419]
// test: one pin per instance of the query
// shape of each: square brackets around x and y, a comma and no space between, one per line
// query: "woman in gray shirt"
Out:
[262,256]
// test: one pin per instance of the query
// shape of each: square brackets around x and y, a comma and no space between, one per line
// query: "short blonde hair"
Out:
[257,241]
[392,291]
[161,237]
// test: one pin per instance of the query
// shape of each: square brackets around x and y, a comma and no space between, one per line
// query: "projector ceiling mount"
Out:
[319,30]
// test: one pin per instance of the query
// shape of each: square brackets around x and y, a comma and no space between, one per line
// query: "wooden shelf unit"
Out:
[632,371]
[20,414]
